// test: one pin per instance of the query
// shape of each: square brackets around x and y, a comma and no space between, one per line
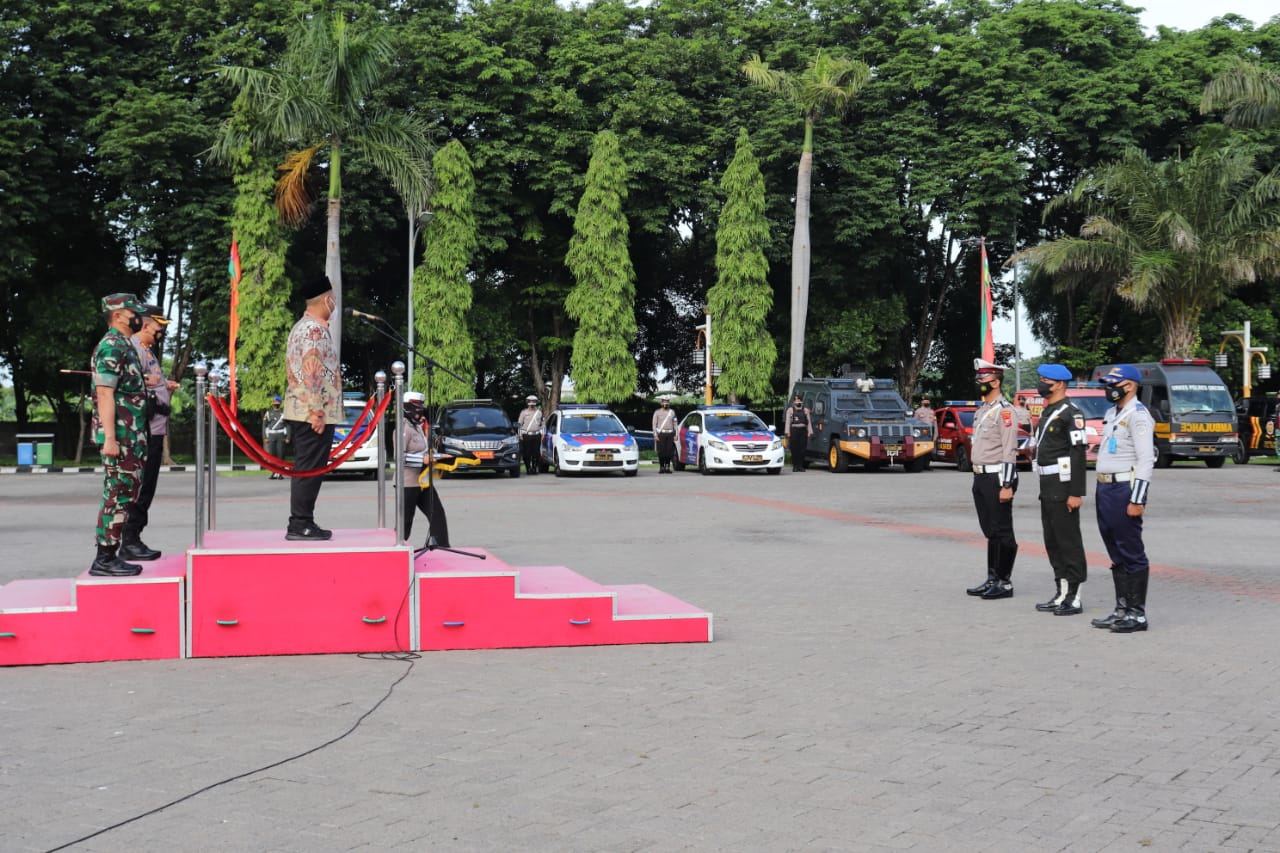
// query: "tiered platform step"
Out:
[76,620]
[254,593]
[469,603]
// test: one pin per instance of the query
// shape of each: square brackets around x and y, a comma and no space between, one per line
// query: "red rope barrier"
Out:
[235,431]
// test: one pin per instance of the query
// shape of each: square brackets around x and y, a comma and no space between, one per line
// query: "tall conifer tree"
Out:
[741,299]
[603,298]
[441,289]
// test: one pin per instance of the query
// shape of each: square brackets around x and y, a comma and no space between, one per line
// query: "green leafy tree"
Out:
[602,301]
[319,95]
[1173,237]
[1248,92]
[441,287]
[741,299]
[264,287]
[827,86]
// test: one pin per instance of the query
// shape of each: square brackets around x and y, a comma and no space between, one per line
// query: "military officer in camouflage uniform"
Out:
[1059,462]
[120,427]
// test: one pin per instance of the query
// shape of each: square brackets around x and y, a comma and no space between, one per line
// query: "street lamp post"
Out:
[1249,351]
[417,218]
[704,333]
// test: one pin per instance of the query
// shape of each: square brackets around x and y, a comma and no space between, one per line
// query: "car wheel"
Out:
[514,472]
[677,464]
[915,466]
[837,459]
[1163,460]
[702,462]
[559,469]
[962,460]
[629,473]
[1215,461]
[775,470]
[1240,456]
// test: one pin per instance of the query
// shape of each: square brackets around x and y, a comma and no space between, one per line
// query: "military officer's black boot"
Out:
[1070,604]
[1135,614]
[107,564]
[136,549]
[1118,578]
[1003,587]
[1052,604]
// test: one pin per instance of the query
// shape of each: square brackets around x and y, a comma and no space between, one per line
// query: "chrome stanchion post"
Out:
[200,370]
[381,378]
[397,370]
[214,381]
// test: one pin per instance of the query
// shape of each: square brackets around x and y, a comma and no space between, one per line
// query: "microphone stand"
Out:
[387,331]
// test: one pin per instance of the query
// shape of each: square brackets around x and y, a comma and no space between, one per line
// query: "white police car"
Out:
[365,459]
[727,438]
[582,438]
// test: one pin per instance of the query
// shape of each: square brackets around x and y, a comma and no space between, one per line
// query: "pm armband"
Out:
[1138,491]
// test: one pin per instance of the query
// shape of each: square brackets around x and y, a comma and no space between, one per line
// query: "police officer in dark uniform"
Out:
[798,425]
[1059,461]
[1126,458]
[994,450]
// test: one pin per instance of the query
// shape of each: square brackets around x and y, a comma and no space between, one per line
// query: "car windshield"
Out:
[350,412]
[887,401]
[599,423]
[476,421]
[1200,399]
[735,422]
[1093,408]
[966,418]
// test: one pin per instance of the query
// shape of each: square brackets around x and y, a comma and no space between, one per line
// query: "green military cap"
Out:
[123,302]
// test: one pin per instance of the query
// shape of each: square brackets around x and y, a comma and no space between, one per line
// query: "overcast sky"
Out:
[1194,14]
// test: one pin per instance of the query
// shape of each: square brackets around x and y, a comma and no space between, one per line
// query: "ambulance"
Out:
[1194,414]
[1089,397]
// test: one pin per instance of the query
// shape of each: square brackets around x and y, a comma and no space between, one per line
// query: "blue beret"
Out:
[1055,372]
[1122,373]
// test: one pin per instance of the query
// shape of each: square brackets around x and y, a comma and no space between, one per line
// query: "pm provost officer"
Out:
[994,449]
[1059,461]
[119,428]
[1126,457]
[664,434]
[312,404]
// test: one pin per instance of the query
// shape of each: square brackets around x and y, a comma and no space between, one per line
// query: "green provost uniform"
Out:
[1060,462]
[115,365]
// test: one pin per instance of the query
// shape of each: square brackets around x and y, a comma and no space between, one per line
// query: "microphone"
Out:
[351,312]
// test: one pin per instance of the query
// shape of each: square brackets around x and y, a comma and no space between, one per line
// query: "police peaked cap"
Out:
[981,365]
[155,312]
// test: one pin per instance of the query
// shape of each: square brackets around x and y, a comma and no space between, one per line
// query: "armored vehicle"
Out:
[861,420]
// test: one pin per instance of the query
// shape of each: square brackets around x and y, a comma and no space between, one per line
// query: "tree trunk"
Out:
[800,262]
[1179,336]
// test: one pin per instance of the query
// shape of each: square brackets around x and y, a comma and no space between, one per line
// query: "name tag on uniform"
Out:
[1064,469]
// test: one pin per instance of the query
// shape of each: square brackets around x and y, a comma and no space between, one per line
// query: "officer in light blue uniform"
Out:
[1125,460]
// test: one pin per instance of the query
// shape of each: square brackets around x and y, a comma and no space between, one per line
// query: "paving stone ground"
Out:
[854,697]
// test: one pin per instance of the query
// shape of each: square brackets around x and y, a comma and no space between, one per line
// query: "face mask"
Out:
[984,388]
[1114,394]
[135,324]
[159,336]
[1043,388]
[332,305]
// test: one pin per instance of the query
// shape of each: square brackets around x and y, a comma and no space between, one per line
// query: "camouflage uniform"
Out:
[115,365]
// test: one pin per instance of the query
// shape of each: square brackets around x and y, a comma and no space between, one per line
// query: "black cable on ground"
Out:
[248,773]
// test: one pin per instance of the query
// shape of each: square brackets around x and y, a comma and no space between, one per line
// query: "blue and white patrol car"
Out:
[584,438]
[727,438]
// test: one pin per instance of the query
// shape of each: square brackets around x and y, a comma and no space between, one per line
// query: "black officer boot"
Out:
[1052,604]
[136,549]
[1003,587]
[1135,615]
[984,586]
[107,564]
[1070,605]
[1122,602]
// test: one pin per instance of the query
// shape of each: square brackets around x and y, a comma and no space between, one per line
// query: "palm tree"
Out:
[1173,237]
[1249,93]
[315,101]
[827,86]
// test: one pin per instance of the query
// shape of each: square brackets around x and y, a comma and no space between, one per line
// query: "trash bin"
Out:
[26,453]
[35,448]
[44,453]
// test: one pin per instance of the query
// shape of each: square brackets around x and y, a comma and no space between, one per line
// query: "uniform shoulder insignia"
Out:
[1006,416]
[1078,420]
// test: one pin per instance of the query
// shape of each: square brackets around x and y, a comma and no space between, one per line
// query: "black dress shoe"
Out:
[1068,607]
[980,588]
[1047,606]
[138,551]
[999,589]
[308,533]
[114,567]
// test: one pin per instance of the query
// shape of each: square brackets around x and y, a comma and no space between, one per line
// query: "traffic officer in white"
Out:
[1126,458]
[994,447]
[530,425]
